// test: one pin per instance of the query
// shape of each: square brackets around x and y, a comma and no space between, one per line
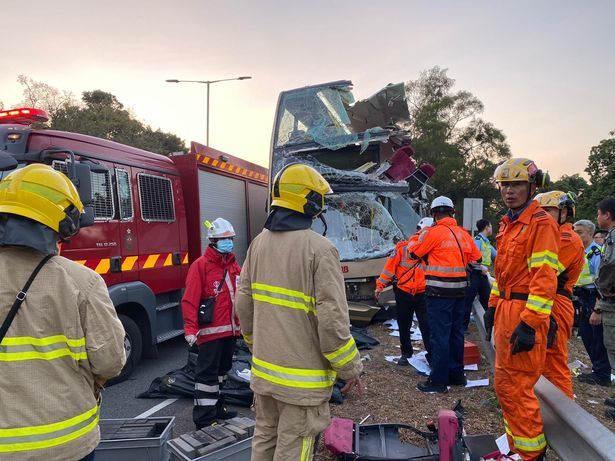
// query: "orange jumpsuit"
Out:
[571,259]
[524,289]
[406,270]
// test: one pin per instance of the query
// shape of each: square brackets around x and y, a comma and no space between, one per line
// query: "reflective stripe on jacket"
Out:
[204,280]
[527,262]
[447,249]
[571,258]
[401,268]
[487,251]
[593,253]
[292,305]
[64,342]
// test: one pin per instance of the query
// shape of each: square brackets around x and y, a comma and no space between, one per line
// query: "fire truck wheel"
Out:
[133,346]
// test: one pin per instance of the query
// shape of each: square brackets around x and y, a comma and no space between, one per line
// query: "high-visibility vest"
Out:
[485,250]
[587,278]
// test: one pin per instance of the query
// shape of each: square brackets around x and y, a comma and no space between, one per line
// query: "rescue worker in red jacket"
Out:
[571,258]
[213,275]
[520,303]
[408,280]
[447,249]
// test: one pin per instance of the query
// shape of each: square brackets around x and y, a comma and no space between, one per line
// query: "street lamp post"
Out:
[207,82]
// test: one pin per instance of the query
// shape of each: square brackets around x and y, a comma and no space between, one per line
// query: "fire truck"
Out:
[363,150]
[144,214]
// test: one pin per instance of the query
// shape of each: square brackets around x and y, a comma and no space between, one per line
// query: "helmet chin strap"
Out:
[321,216]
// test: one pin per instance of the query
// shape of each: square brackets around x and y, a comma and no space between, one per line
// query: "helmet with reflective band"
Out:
[40,193]
[300,188]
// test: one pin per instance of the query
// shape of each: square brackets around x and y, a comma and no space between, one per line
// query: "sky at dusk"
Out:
[543,69]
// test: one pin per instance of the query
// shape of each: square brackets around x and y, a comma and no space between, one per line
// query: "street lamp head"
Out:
[244,78]
[173,80]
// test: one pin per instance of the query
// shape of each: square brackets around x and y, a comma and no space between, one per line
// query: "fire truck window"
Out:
[124,194]
[103,196]
[156,196]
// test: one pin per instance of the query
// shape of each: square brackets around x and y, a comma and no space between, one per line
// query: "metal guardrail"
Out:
[572,432]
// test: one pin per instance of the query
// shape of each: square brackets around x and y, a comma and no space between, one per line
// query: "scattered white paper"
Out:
[419,362]
[593,402]
[471,367]
[392,358]
[394,333]
[478,383]
[502,443]
[392,324]
[416,335]
[245,374]
[577,364]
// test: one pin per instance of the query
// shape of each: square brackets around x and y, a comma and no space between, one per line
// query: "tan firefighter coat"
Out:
[65,338]
[292,308]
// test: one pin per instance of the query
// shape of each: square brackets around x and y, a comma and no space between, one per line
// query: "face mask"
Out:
[224,246]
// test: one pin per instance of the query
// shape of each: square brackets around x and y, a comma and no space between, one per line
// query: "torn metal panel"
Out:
[387,108]
[326,115]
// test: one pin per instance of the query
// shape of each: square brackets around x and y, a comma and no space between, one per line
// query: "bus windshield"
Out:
[359,226]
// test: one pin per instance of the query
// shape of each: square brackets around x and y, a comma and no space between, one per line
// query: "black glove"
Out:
[523,338]
[552,332]
[488,319]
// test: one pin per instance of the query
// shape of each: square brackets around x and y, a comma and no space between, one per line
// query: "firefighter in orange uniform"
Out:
[447,249]
[561,206]
[408,278]
[520,304]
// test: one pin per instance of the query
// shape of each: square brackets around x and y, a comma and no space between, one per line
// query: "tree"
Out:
[99,114]
[447,131]
[44,96]
[601,171]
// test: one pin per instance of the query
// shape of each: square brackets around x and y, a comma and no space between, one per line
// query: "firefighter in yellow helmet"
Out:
[292,308]
[571,258]
[64,340]
[520,303]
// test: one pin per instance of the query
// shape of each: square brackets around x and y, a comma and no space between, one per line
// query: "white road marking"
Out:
[156,408]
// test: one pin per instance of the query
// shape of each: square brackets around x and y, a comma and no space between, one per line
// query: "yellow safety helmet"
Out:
[300,188]
[40,193]
[558,199]
[521,170]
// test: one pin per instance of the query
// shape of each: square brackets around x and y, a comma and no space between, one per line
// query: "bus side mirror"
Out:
[83,180]
[7,162]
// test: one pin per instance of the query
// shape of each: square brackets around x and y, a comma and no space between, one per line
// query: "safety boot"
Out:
[403,361]
[431,388]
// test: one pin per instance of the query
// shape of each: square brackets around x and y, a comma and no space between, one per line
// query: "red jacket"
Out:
[203,281]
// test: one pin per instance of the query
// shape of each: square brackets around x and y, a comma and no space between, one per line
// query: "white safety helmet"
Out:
[425,222]
[443,202]
[219,229]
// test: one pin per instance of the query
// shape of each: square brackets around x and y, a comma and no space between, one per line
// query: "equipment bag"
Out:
[208,305]
[20,298]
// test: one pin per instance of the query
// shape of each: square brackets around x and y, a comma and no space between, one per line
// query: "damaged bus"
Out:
[363,149]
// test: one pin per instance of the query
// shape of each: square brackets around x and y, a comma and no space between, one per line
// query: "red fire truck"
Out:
[144,216]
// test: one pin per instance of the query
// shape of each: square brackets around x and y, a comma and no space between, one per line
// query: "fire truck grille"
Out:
[156,194]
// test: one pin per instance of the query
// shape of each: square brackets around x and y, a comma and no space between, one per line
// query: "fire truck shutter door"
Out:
[224,197]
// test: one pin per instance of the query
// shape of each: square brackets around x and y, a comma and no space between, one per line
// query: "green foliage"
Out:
[601,171]
[449,133]
[98,114]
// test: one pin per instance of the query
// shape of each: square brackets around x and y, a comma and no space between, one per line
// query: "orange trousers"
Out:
[515,377]
[556,365]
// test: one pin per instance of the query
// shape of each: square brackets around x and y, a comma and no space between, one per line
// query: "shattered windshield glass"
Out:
[359,226]
[403,213]
[328,115]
